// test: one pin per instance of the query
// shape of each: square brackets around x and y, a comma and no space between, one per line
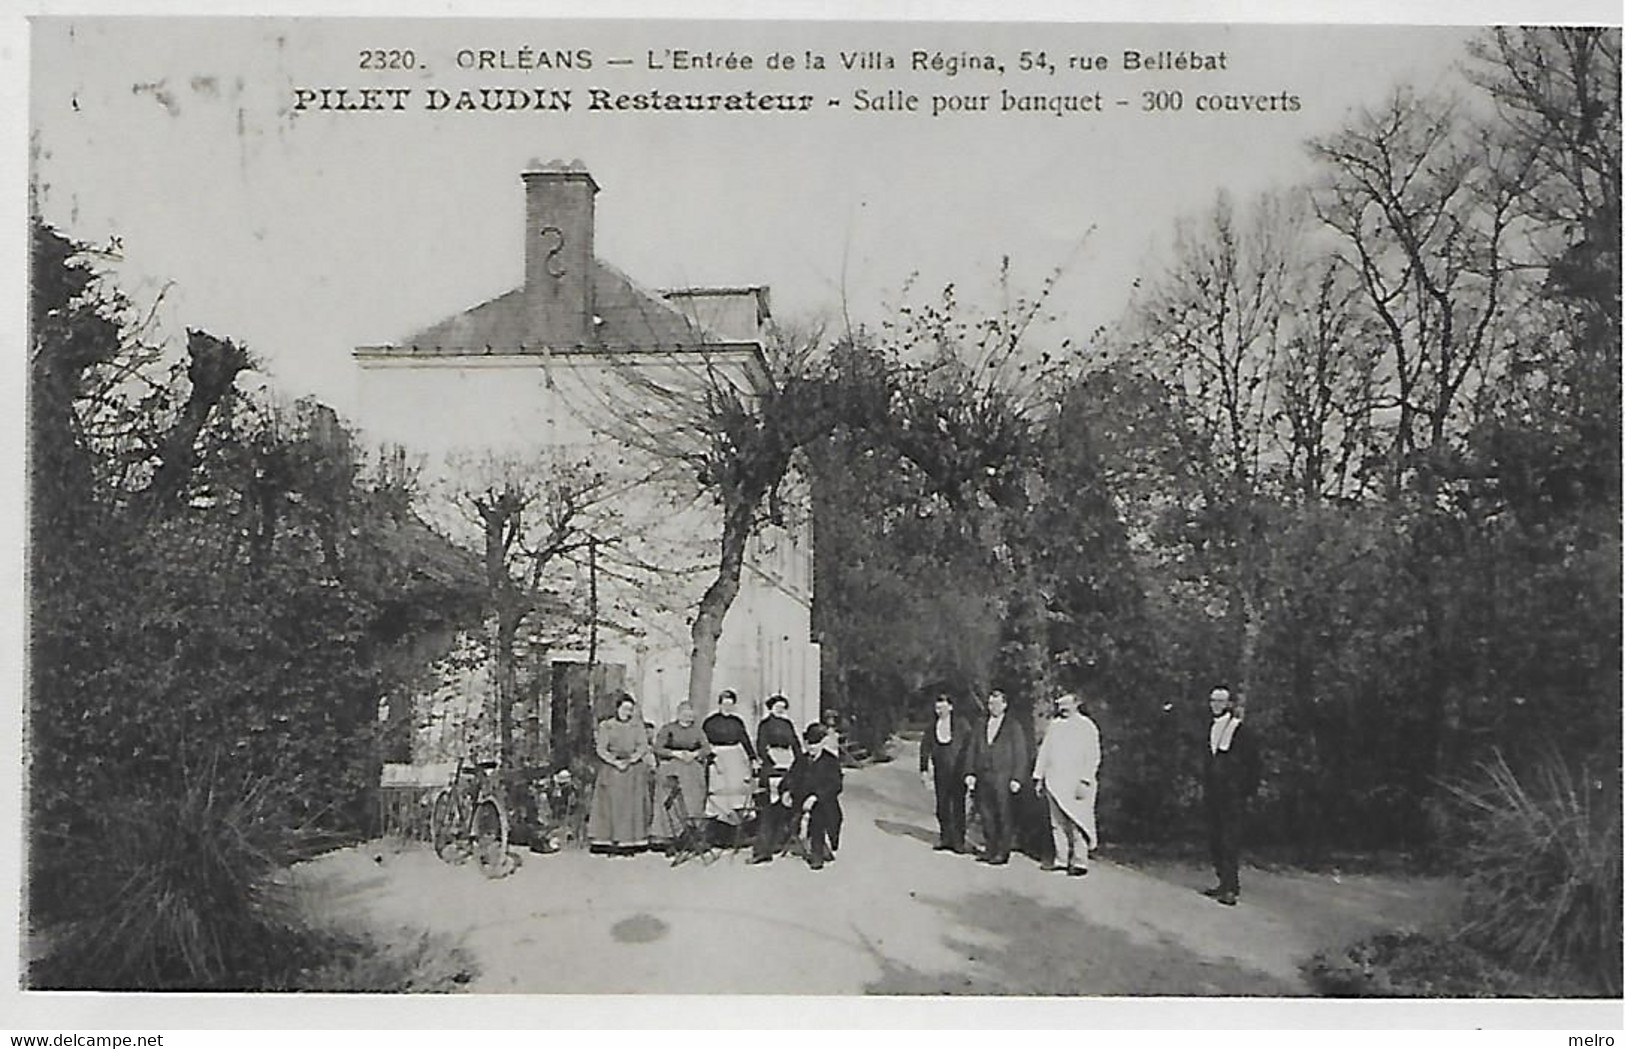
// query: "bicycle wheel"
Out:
[491,838]
[446,823]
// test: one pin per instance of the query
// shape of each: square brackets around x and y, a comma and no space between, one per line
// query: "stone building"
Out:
[579,368]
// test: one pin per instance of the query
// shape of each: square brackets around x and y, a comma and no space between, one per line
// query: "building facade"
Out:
[581,374]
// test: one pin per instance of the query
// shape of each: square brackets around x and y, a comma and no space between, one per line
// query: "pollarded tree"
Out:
[734,423]
[950,396]
[905,594]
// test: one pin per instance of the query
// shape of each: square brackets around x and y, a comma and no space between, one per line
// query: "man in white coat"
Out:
[1065,771]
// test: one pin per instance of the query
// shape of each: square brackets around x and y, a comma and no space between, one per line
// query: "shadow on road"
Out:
[1022,946]
[907,830]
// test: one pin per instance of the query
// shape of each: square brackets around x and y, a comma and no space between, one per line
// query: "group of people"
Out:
[992,763]
[658,788]
[655,787]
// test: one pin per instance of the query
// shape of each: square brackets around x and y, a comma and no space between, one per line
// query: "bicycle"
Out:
[470,819]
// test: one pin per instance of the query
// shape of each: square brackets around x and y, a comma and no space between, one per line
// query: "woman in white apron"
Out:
[733,761]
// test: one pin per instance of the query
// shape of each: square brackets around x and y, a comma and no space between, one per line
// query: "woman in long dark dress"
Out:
[620,799]
[681,748]
[733,760]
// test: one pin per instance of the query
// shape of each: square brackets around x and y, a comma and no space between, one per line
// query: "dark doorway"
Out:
[579,703]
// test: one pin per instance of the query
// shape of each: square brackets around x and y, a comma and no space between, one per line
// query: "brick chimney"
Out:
[558,254]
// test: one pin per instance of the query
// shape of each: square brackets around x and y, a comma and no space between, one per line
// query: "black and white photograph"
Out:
[821,509]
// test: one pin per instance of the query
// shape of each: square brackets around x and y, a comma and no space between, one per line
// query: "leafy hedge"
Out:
[220,593]
[1408,965]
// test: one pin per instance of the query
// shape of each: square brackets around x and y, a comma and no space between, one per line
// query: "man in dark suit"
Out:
[1230,780]
[1000,761]
[813,787]
[943,750]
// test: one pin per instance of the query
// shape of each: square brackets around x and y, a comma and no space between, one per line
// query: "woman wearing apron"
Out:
[728,784]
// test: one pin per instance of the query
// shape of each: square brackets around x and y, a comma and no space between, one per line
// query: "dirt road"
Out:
[889,917]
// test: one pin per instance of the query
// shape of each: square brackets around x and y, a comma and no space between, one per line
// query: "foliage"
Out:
[1354,451]
[190,894]
[900,604]
[360,962]
[919,492]
[1408,965]
[221,589]
[180,895]
[1543,862]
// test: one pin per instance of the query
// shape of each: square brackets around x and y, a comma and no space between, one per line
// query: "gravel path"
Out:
[889,917]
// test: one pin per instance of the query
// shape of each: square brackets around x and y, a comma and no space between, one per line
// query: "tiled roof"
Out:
[632,319]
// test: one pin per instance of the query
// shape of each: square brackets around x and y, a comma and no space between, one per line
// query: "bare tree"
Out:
[523,516]
[1323,383]
[1557,92]
[734,418]
[737,432]
[1557,97]
[1214,324]
[1222,327]
[1425,204]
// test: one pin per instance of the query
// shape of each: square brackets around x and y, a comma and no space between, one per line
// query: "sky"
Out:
[307,233]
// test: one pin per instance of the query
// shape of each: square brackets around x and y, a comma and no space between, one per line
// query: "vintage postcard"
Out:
[1117,520]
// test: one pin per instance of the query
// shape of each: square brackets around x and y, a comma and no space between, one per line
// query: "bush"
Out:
[358,963]
[1408,965]
[1543,888]
[174,890]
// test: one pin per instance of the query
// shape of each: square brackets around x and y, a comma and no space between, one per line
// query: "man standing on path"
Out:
[943,751]
[1000,760]
[1232,772]
[1068,760]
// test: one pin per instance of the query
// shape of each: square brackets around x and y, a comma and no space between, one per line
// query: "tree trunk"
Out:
[500,518]
[581,718]
[719,597]
[1251,627]
[213,368]
[264,543]
[1244,596]
[508,620]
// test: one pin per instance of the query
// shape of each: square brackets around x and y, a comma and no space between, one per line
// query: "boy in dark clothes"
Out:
[814,787]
